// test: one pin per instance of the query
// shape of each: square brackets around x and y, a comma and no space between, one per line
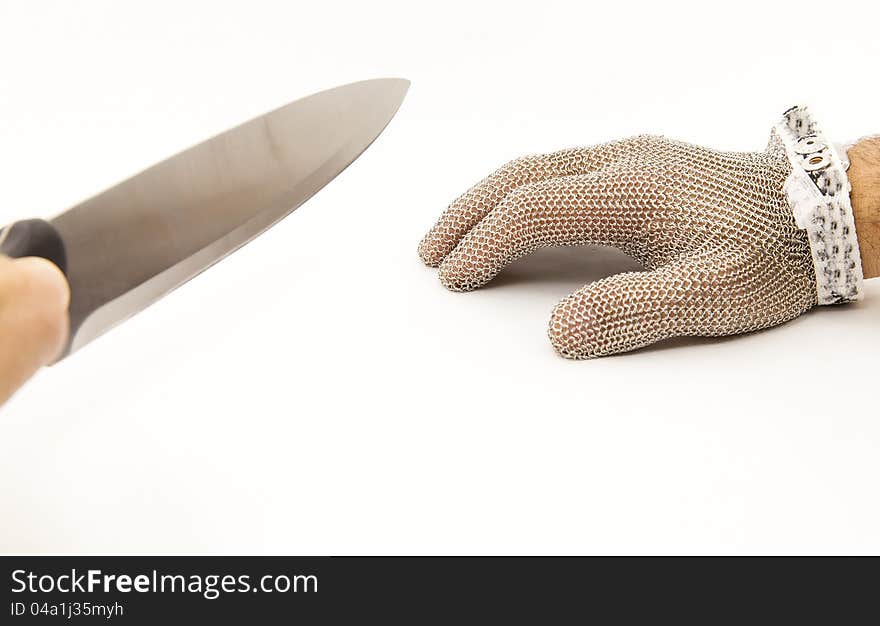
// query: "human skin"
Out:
[34,294]
[864,176]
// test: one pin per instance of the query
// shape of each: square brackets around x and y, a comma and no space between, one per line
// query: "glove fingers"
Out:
[709,294]
[621,313]
[471,207]
[596,208]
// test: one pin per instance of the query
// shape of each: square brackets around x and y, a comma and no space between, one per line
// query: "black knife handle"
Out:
[34,238]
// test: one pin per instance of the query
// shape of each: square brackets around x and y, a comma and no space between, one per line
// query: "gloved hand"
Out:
[715,232]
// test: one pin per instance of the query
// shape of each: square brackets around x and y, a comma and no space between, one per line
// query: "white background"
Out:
[320,392]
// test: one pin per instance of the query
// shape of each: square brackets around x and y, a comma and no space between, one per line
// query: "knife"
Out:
[127,247]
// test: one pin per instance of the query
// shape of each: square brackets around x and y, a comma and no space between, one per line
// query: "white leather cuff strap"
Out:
[818,191]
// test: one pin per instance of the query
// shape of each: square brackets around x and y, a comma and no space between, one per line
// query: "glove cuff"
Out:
[818,192]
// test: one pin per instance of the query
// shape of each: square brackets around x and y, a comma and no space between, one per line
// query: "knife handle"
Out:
[34,238]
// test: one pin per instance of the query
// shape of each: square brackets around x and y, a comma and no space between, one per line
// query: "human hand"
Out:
[722,250]
[33,318]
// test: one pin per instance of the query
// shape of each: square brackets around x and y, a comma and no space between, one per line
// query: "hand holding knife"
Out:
[125,248]
[33,318]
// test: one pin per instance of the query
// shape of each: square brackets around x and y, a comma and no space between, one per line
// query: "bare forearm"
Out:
[864,176]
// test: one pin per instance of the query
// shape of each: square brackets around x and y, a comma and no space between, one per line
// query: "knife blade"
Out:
[125,248]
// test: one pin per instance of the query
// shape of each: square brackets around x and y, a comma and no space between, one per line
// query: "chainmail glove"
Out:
[726,243]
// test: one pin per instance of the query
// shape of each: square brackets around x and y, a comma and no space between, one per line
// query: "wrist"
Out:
[864,177]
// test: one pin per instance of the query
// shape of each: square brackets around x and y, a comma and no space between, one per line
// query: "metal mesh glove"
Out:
[714,231]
